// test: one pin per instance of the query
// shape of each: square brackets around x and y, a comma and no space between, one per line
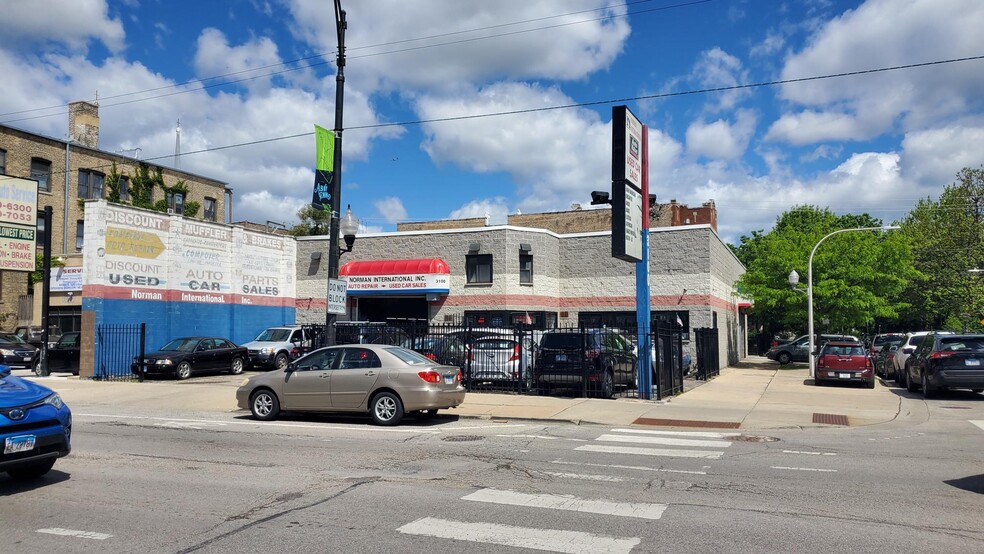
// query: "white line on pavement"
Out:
[74,533]
[550,540]
[639,468]
[585,477]
[568,503]
[805,469]
[811,453]
[703,434]
[673,453]
[978,423]
[668,441]
[357,428]
[498,426]
[544,437]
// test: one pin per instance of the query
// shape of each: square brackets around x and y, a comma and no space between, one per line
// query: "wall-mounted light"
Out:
[315,256]
[475,247]
[70,295]
[525,247]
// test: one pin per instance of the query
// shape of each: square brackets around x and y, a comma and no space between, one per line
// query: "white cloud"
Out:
[214,57]
[720,139]
[934,156]
[769,46]
[67,23]
[495,209]
[809,127]
[716,68]
[391,209]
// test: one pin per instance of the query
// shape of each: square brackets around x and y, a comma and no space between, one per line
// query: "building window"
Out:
[526,269]
[79,234]
[124,187]
[41,172]
[90,184]
[210,205]
[175,202]
[3,162]
[39,237]
[478,268]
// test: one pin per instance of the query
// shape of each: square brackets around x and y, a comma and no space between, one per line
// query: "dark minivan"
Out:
[596,359]
[946,361]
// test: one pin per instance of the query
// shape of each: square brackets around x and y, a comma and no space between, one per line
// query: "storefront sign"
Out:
[18,221]
[627,210]
[415,283]
[626,147]
[65,279]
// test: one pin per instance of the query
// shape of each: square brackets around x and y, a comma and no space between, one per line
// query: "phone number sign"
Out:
[18,223]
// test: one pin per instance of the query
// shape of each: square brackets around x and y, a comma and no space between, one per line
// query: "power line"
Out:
[332,53]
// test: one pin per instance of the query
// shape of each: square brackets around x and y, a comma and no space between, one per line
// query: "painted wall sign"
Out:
[18,222]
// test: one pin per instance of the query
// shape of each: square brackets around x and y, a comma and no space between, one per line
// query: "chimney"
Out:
[83,123]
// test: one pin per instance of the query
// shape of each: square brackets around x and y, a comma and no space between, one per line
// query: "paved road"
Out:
[207,482]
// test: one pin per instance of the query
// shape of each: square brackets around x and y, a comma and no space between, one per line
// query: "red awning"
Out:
[430,266]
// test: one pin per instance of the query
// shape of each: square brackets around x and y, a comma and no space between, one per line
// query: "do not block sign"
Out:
[336,296]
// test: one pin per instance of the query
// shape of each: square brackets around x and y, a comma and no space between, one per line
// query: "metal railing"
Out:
[116,347]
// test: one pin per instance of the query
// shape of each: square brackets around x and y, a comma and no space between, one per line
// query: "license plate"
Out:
[448,379]
[23,443]
[845,375]
[561,357]
[27,358]
[973,362]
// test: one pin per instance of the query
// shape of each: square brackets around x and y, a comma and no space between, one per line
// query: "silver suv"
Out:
[277,346]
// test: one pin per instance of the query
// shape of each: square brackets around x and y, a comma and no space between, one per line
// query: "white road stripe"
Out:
[668,441]
[979,423]
[811,453]
[639,468]
[544,437]
[584,477]
[74,533]
[568,503]
[669,452]
[494,426]
[805,469]
[357,428]
[702,434]
[550,540]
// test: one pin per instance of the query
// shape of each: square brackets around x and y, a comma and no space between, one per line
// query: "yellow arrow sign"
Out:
[128,242]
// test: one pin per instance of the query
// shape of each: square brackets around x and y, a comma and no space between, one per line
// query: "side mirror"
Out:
[816,352]
[291,367]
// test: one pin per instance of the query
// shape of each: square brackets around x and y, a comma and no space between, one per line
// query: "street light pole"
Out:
[336,182]
[809,283]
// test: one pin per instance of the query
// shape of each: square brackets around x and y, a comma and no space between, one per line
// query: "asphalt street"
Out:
[221,482]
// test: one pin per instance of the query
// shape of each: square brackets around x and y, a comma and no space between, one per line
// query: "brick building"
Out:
[69,172]
[502,275]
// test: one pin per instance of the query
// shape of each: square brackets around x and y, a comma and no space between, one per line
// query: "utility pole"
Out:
[336,182]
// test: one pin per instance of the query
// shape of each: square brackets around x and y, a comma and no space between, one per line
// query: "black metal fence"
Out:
[708,353]
[118,345]
[572,361]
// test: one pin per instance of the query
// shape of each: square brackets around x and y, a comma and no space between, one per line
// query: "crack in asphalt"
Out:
[198,461]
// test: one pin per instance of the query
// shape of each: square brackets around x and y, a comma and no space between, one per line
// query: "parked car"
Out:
[277,346]
[844,361]
[499,359]
[35,427]
[17,354]
[879,341]
[799,349]
[182,357]
[385,381]
[423,345]
[34,335]
[361,332]
[884,359]
[452,348]
[597,358]
[946,361]
[909,344]
[65,354]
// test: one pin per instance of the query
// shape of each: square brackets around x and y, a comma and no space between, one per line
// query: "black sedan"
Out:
[16,353]
[183,356]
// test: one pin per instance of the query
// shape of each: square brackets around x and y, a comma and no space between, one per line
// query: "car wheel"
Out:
[183,371]
[817,382]
[264,405]
[607,385]
[32,471]
[871,383]
[784,358]
[386,409]
[237,366]
[37,368]
[909,385]
[280,361]
[928,391]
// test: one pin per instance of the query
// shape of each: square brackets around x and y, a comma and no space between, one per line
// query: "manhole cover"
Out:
[754,438]
[461,438]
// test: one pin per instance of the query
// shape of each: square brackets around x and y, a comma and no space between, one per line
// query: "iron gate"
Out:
[116,346]
[708,363]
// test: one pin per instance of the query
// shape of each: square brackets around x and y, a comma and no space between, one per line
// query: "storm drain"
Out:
[687,423]
[461,438]
[831,419]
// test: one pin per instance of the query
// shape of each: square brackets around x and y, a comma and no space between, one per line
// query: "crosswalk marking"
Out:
[584,477]
[703,434]
[668,441]
[550,540]
[670,452]
[979,423]
[568,503]
[638,468]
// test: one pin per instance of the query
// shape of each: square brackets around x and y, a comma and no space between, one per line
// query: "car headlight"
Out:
[55,401]
[165,361]
[267,350]
[244,382]
[5,352]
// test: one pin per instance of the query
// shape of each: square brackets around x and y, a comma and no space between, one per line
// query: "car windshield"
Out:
[274,335]
[962,344]
[843,350]
[180,345]
[567,341]
[409,357]
[11,338]
[494,344]
[883,339]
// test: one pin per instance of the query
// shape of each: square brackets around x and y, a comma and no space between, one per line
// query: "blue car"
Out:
[35,427]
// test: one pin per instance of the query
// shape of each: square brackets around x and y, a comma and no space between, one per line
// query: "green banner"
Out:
[325,140]
[324,171]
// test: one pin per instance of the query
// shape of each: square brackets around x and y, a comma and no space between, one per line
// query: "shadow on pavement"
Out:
[14,486]
[973,483]
[409,420]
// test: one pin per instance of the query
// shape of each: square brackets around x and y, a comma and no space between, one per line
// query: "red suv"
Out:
[844,361]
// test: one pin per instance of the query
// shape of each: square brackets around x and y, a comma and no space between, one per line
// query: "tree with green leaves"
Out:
[857,277]
[312,222]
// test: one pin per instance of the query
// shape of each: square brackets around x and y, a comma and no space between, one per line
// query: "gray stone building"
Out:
[503,275]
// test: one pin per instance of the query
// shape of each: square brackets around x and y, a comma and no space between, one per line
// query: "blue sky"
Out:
[230,71]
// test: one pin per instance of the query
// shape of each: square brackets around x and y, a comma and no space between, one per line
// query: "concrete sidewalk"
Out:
[754,394]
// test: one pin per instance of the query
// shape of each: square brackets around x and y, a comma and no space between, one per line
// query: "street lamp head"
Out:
[349,226]
[794,279]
